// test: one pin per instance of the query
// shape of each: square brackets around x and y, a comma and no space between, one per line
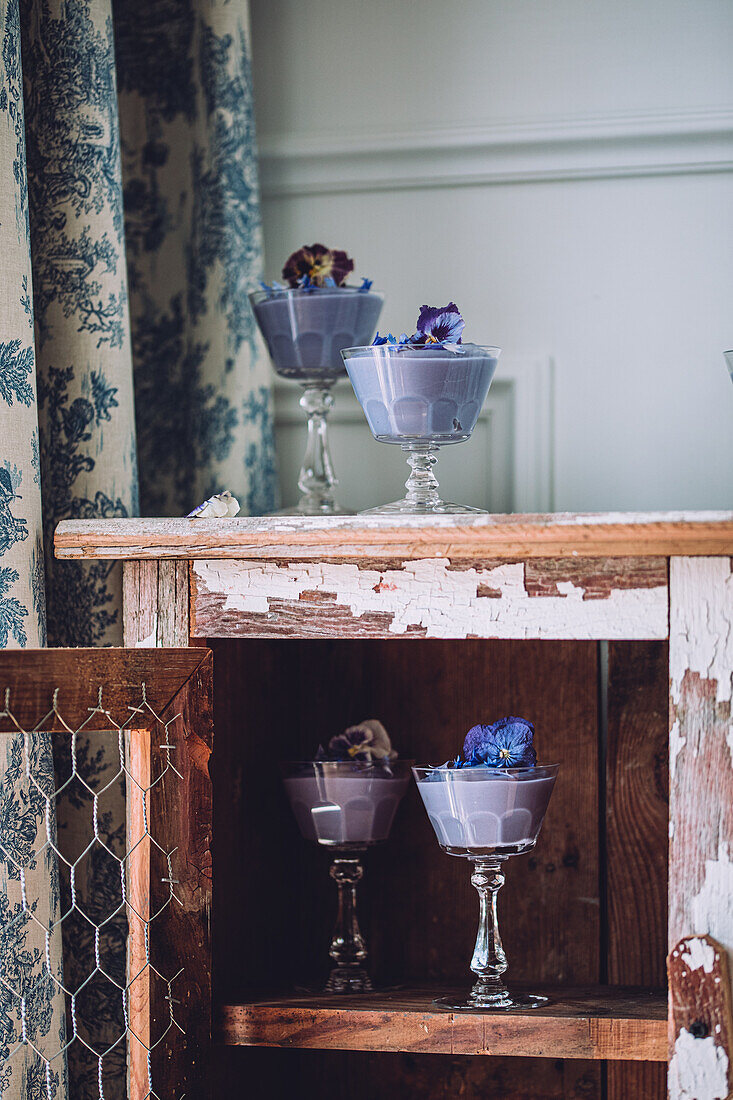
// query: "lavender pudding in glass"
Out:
[486,805]
[422,392]
[305,322]
[421,395]
[346,800]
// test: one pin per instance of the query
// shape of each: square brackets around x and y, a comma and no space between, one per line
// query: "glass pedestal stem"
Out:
[489,961]
[348,949]
[422,484]
[316,481]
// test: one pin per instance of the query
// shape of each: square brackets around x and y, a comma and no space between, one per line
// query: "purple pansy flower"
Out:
[503,744]
[316,264]
[366,742]
[439,325]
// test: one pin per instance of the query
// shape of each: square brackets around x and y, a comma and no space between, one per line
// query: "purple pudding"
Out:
[348,796]
[421,394]
[492,800]
[305,329]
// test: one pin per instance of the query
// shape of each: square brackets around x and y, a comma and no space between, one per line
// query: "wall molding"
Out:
[605,146]
[528,381]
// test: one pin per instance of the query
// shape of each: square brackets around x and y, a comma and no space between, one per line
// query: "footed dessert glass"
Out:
[305,331]
[347,807]
[486,815]
[421,398]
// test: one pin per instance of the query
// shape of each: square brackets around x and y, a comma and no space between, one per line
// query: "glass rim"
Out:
[286,291]
[481,769]
[398,349]
[359,763]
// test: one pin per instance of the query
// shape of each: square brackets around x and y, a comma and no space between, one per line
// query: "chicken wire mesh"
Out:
[86,880]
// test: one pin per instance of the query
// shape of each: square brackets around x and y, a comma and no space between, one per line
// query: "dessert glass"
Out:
[347,807]
[421,399]
[486,815]
[305,331]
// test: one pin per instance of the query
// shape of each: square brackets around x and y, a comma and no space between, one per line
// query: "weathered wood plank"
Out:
[138,912]
[701,1025]
[29,676]
[276,1074]
[701,756]
[348,538]
[180,815]
[636,838]
[589,1024]
[431,598]
[155,608]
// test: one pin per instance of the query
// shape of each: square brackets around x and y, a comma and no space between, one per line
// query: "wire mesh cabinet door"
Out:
[117,743]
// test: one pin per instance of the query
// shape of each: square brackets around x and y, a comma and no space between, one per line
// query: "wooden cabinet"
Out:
[615,635]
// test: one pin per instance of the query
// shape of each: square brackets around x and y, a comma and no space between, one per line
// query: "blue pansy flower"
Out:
[439,325]
[503,744]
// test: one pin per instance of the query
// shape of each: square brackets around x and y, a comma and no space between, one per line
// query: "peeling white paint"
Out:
[701,624]
[149,642]
[711,909]
[676,744]
[445,602]
[698,953]
[698,1069]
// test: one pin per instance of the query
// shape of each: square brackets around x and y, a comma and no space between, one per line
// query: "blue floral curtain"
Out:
[129,237]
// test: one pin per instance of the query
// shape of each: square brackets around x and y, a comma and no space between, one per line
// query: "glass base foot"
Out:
[308,509]
[410,508]
[502,1001]
[349,979]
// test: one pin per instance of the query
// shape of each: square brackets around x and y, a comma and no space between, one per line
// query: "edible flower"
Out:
[503,744]
[436,325]
[439,325]
[312,265]
[367,741]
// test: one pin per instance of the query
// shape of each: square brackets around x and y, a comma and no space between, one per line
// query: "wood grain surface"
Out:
[348,538]
[637,797]
[29,677]
[180,815]
[579,1024]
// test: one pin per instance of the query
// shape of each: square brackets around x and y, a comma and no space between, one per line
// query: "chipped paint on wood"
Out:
[701,768]
[698,953]
[425,598]
[701,1026]
[698,1069]
[701,820]
[711,908]
[701,624]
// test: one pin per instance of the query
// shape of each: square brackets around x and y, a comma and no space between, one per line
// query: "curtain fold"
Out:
[194,250]
[129,237]
[29,888]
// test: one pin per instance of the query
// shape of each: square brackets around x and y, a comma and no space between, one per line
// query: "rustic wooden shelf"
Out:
[350,538]
[598,1023]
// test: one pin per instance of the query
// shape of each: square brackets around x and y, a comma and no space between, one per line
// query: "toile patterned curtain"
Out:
[129,237]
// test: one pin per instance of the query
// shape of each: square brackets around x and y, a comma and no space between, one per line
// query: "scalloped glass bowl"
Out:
[421,399]
[305,330]
[343,803]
